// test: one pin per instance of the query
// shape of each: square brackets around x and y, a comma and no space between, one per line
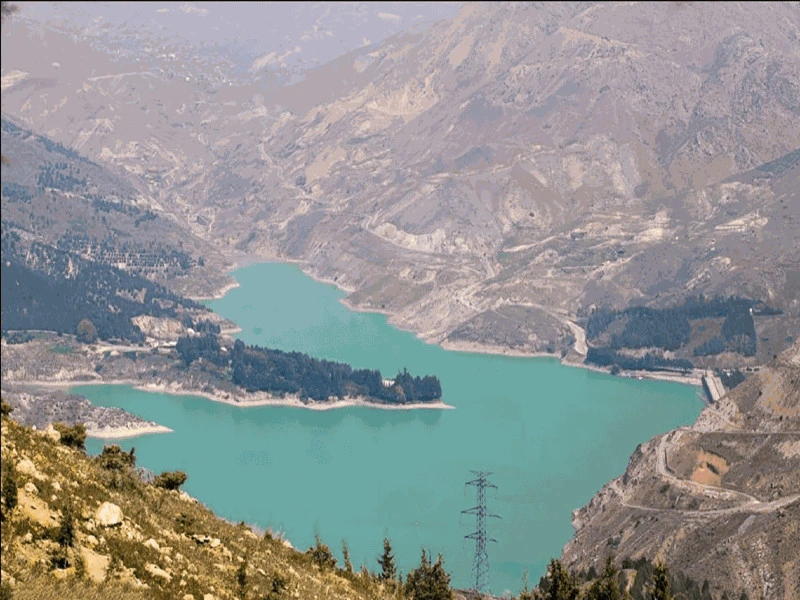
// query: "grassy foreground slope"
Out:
[156,543]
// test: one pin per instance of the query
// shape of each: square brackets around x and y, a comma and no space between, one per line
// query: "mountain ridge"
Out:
[442,187]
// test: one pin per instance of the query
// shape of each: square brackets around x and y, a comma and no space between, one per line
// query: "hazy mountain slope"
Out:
[484,182]
[55,196]
[275,41]
[718,500]
[552,156]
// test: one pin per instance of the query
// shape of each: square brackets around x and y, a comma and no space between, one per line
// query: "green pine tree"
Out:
[386,561]
[321,554]
[10,490]
[428,581]
[661,582]
[558,583]
[241,579]
[348,566]
[607,587]
[65,535]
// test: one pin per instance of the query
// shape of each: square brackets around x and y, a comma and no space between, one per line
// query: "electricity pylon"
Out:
[480,566]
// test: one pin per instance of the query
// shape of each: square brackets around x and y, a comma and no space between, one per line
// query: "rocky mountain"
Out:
[718,500]
[273,42]
[487,182]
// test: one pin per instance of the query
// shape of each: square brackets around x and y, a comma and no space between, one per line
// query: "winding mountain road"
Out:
[749,504]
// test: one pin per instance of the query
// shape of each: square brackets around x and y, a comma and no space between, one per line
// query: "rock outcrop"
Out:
[109,515]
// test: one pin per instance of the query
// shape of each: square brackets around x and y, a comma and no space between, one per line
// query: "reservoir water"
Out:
[551,436]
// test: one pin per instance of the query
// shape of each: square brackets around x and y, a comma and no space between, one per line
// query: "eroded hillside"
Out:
[718,500]
[487,182]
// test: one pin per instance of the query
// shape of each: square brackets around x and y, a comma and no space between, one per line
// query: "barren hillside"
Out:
[718,500]
[486,182]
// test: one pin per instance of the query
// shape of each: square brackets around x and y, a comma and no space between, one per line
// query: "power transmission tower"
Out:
[480,566]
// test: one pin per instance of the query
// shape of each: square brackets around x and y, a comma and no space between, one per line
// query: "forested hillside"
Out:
[46,288]
[54,195]
[674,338]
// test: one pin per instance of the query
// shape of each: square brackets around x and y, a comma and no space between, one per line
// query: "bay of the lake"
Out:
[551,435]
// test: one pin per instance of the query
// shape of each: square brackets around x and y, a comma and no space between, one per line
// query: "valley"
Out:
[214,216]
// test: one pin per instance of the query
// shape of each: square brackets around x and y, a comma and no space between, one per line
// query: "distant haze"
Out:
[257,35]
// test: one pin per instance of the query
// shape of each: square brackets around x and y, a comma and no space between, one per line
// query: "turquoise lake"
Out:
[551,435]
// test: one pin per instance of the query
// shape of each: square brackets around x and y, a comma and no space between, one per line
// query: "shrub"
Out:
[5,591]
[184,523]
[59,559]
[170,480]
[72,437]
[5,408]
[277,586]
[321,554]
[113,458]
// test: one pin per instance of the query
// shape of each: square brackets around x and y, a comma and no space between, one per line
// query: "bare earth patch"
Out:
[710,468]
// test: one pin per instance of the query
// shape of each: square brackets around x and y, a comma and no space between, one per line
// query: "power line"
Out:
[480,565]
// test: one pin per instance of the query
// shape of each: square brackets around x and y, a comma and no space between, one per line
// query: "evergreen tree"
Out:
[241,579]
[65,536]
[661,582]
[558,583]
[525,593]
[386,561]
[428,582]
[87,332]
[10,490]
[321,554]
[348,566]
[607,587]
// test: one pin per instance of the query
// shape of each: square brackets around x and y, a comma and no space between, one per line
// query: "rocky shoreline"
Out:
[37,376]
[37,406]
[572,358]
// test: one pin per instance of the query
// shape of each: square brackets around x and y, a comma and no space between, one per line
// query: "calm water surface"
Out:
[551,435]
